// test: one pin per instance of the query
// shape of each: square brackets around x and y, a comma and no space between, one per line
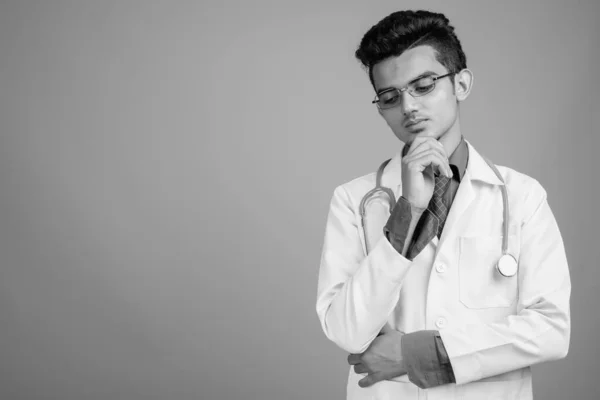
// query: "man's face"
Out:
[436,111]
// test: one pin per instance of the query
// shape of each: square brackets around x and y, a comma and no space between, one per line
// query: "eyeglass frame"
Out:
[405,88]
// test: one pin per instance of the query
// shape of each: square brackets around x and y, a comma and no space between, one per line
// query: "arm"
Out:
[356,294]
[401,225]
[426,360]
[421,354]
[540,330]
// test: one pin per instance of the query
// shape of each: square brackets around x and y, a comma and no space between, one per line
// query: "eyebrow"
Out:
[421,76]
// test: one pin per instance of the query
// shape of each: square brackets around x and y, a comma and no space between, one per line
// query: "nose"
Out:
[409,103]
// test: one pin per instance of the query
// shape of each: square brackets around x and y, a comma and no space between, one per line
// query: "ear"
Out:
[463,83]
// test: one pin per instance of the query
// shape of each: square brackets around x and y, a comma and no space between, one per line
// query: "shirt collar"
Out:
[459,159]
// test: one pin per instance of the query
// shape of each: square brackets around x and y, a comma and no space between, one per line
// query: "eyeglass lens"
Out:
[392,97]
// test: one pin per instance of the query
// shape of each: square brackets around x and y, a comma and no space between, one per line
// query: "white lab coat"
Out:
[493,327]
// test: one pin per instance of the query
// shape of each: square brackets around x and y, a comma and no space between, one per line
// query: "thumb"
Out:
[371,379]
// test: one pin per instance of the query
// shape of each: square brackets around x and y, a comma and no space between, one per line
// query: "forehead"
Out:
[398,71]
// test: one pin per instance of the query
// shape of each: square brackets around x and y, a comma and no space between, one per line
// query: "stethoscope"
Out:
[506,265]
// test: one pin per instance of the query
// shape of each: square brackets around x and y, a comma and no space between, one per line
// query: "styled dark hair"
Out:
[403,30]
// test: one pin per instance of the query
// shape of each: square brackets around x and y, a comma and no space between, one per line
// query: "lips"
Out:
[413,122]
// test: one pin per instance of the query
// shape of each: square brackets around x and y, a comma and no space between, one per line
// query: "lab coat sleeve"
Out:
[540,331]
[355,294]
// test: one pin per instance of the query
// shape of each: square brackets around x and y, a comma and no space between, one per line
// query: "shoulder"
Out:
[353,191]
[521,183]
[525,192]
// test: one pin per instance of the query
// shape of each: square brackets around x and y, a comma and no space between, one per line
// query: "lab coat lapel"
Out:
[463,198]
[477,172]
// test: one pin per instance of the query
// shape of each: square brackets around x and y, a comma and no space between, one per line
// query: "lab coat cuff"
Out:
[385,258]
[466,365]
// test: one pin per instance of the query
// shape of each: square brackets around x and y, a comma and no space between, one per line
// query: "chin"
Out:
[408,137]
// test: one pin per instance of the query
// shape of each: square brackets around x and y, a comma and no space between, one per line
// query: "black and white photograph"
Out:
[292,200]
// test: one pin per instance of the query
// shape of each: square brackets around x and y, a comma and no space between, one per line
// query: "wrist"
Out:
[415,207]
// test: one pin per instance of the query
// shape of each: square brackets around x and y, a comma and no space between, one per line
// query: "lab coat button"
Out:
[441,268]
[440,322]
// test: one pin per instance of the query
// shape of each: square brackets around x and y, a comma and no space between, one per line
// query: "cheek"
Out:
[446,105]
[393,117]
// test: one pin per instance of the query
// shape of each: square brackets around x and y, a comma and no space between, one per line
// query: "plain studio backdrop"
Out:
[166,169]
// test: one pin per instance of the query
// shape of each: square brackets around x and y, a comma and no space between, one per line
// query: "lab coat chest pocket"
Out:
[481,285]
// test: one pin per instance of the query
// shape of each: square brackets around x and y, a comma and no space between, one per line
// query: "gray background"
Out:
[166,170]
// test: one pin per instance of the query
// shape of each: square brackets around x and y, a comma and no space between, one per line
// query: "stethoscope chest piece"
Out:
[507,265]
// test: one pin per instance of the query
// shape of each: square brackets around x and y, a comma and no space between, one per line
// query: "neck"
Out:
[451,138]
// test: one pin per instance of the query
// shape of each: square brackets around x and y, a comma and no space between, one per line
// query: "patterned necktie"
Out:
[437,204]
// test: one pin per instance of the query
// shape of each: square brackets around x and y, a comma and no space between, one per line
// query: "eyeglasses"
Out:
[392,97]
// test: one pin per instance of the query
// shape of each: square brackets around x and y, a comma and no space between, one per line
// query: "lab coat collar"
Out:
[479,170]
[392,175]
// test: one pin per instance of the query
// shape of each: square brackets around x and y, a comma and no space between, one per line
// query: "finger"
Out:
[422,150]
[425,148]
[371,379]
[417,141]
[354,359]
[420,141]
[430,163]
[431,157]
[425,153]
[361,369]
[439,165]
[424,144]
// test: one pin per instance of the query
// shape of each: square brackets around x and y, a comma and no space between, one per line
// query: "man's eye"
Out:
[423,88]
[390,99]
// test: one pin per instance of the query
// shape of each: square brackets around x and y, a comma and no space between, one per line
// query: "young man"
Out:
[417,296]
